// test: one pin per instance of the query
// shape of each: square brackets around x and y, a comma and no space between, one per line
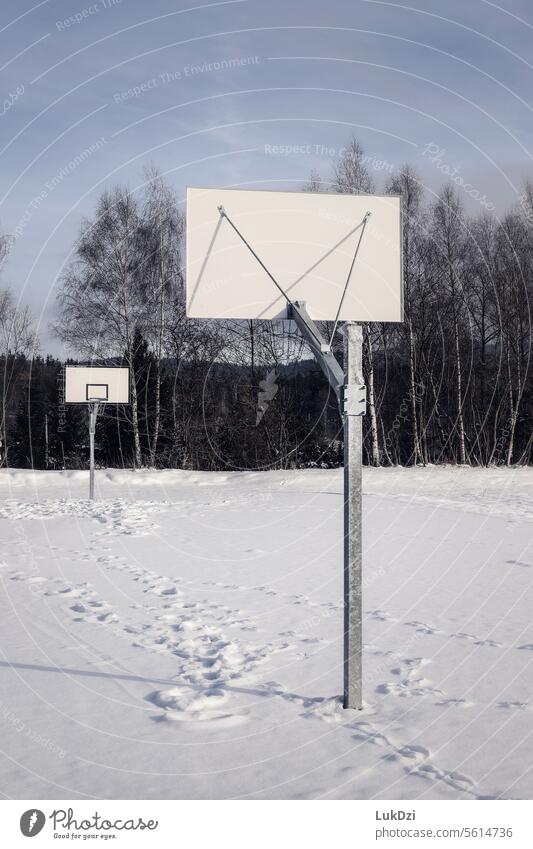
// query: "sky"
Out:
[251,93]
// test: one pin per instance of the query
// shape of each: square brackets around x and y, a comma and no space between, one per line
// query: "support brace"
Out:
[351,399]
[322,352]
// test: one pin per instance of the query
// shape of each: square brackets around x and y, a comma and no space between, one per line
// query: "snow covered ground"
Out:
[181,637]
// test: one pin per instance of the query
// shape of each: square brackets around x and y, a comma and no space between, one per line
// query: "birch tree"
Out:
[449,239]
[18,340]
[100,303]
[481,271]
[513,299]
[406,184]
[350,173]
[351,176]
[161,283]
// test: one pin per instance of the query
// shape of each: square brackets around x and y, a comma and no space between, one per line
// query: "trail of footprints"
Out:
[414,758]
[294,599]
[410,682]
[196,633]
[424,628]
[115,517]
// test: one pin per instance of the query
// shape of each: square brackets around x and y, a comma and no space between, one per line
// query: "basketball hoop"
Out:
[307,257]
[95,385]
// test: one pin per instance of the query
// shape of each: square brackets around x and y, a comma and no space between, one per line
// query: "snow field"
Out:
[182,636]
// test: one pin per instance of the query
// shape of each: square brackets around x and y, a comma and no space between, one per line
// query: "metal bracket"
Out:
[354,400]
[323,354]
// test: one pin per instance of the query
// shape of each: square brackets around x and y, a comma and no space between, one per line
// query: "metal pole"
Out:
[46,451]
[353,437]
[93,413]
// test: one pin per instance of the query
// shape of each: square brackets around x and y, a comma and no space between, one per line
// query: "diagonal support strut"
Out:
[349,404]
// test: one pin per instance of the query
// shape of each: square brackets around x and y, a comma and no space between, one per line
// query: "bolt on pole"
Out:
[353,437]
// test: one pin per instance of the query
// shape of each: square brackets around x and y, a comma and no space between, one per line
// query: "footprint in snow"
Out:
[412,684]
[422,627]
[162,590]
[477,640]
[453,779]
[412,753]
[409,665]
[408,688]
[207,709]
[380,615]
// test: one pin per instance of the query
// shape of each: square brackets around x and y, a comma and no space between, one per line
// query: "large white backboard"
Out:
[109,385]
[307,241]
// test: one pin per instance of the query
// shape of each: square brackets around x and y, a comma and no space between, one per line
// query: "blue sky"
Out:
[248,93]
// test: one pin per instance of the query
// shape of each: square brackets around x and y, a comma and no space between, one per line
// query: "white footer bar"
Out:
[202,824]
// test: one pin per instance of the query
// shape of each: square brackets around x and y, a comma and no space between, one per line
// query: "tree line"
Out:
[452,383]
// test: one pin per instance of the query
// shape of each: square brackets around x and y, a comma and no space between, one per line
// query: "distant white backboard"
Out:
[307,241]
[109,385]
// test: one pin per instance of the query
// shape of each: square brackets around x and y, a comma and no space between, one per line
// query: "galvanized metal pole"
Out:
[93,412]
[353,438]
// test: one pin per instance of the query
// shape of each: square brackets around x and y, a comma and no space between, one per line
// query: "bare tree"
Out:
[162,276]
[351,176]
[350,173]
[314,183]
[18,340]
[513,299]
[17,332]
[448,234]
[101,308]
[407,184]
[481,271]
[5,242]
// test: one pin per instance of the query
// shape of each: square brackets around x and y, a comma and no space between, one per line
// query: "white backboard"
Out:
[307,241]
[107,384]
